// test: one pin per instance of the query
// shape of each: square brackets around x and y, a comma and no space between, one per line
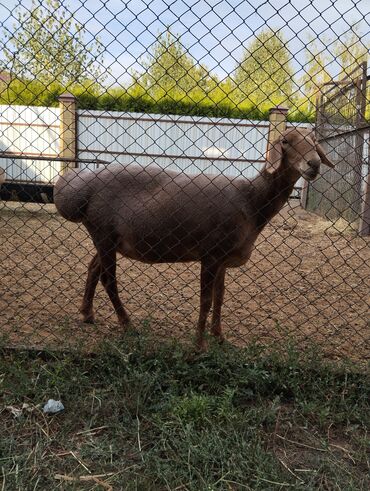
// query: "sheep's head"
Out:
[298,150]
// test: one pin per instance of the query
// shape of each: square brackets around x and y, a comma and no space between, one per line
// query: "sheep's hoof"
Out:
[125,323]
[218,335]
[202,346]
[220,338]
[88,318]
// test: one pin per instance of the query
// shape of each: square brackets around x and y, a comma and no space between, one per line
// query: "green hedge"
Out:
[34,93]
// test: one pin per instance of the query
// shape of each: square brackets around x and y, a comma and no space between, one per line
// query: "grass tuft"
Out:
[147,416]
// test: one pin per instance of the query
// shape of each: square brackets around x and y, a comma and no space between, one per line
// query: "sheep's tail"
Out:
[72,194]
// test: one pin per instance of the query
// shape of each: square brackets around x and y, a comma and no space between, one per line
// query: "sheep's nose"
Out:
[314,163]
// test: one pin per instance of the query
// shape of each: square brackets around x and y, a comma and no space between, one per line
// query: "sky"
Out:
[214,32]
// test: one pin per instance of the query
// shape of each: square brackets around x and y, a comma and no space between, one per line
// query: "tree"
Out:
[47,45]
[351,50]
[265,73]
[344,55]
[170,71]
[316,71]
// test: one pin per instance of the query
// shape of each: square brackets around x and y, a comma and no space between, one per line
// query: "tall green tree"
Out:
[316,70]
[265,73]
[351,50]
[169,71]
[47,44]
[327,58]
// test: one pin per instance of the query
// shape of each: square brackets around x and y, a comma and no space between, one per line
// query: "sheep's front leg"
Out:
[207,278]
[93,275]
[218,298]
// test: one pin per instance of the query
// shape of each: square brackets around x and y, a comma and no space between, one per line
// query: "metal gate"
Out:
[342,129]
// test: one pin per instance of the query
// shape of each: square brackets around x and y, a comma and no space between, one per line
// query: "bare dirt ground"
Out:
[308,280]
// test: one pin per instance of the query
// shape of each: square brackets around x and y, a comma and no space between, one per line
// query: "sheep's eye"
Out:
[284,141]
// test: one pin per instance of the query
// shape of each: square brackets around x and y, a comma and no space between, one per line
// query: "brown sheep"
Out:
[154,215]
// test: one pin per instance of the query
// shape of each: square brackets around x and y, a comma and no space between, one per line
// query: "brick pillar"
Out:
[68,130]
[277,118]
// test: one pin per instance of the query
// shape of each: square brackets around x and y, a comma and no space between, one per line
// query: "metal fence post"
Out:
[364,225]
[277,118]
[68,130]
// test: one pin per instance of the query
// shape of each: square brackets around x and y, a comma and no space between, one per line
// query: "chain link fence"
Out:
[170,116]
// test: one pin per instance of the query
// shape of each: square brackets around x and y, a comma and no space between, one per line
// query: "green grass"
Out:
[145,415]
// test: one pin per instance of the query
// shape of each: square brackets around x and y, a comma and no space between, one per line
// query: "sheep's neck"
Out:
[271,192]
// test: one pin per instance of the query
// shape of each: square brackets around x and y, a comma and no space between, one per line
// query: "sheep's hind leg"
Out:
[93,275]
[218,298]
[108,278]
[207,278]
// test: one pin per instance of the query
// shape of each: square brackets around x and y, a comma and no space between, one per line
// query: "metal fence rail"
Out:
[195,89]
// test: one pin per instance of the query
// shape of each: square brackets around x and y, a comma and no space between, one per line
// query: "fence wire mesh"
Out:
[193,132]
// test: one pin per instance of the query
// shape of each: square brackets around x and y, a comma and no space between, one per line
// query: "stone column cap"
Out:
[67,97]
[278,110]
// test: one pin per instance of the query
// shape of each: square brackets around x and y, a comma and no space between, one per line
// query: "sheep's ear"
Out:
[274,157]
[323,157]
